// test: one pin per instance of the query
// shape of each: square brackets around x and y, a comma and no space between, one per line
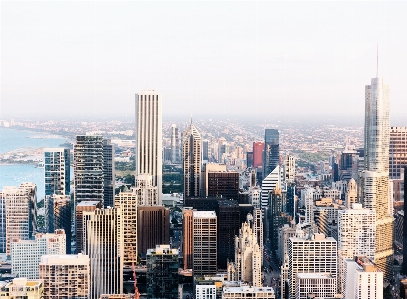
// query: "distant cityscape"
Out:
[204,208]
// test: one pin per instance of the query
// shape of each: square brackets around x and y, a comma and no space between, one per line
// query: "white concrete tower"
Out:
[148,136]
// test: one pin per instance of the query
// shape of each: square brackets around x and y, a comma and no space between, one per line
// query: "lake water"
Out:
[15,174]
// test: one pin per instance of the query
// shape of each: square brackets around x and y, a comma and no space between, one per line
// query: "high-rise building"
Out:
[3,239]
[146,193]
[397,151]
[162,272]
[153,227]
[258,148]
[23,288]
[21,212]
[249,159]
[88,168]
[57,171]
[204,242]
[209,167]
[271,153]
[58,216]
[188,237]
[65,276]
[320,285]
[248,258]
[351,196]
[108,173]
[363,279]
[311,254]
[192,160]
[148,136]
[83,206]
[175,146]
[26,254]
[223,184]
[103,232]
[289,168]
[128,201]
[273,179]
[348,166]
[205,150]
[275,216]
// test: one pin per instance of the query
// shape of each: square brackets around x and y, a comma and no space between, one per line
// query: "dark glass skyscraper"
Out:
[271,152]
[108,173]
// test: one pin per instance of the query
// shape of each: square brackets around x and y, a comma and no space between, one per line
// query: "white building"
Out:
[322,285]
[103,235]
[289,168]
[311,254]
[243,292]
[26,254]
[22,288]
[148,135]
[65,276]
[307,197]
[205,292]
[21,212]
[146,193]
[363,279]
[255,196]
[269,183]
[248,258]
[204,242]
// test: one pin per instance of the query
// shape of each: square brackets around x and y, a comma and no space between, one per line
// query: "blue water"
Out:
[15,174]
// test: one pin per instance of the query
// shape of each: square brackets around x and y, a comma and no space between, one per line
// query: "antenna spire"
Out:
[377,61]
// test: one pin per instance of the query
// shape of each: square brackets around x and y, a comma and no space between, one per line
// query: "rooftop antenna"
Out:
[377,61]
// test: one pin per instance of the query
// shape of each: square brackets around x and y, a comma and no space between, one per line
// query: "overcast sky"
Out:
[266,58]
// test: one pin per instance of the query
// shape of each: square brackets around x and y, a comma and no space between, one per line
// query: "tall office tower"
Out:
[3,239]
[285,232]
[307,195]
[276,217]
[255,196]
[88,168]
[223,184]
[247,265]
[363,279]
[149,137]
[26,254]
[175,147]
[58,216]
[289,168]
[271,154]
[21,212]
[397,151]
[348,166]
[223,150]
[270,182]
[65,276]
[356,235]
[228,227]
[103,232]
[146,193]
[192,160]
[128,201]
[188,237]
[83,206]
[205,150]
[258,228]
[162,272]
[23,288]
[249,159]
[206,168]
[153,227]
[311,254]
[351,196]
[320,285]
[258,148]
[290,207]
[204,242]
[57,171]
[108,173]
[374,180]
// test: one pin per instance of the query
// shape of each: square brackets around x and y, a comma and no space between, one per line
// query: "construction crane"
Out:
[136,292]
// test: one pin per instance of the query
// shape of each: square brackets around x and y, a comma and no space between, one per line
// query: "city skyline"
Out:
[299,54]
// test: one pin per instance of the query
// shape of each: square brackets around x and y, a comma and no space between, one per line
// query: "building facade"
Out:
[397,151]
[271,153]
[57,171]
[58,216]
[108,173]
[84,206]
[192,160]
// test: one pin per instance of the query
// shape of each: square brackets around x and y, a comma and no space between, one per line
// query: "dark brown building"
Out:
[153,228]
[223,184]
[187,237]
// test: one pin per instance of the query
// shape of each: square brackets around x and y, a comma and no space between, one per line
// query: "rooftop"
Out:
[204,214]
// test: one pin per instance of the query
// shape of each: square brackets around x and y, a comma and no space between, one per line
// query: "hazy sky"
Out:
[269,58]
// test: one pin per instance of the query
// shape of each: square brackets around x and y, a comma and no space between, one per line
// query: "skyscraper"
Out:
[103,232]
[57,171]
[21,212]
[88,168]
[147,194]
[148,135]
[258,148]
[374,180]
[273,179]
[397,151]
[108,173]
[174,144]
[192,159]
[80,208]
[188,237]
[271,154]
